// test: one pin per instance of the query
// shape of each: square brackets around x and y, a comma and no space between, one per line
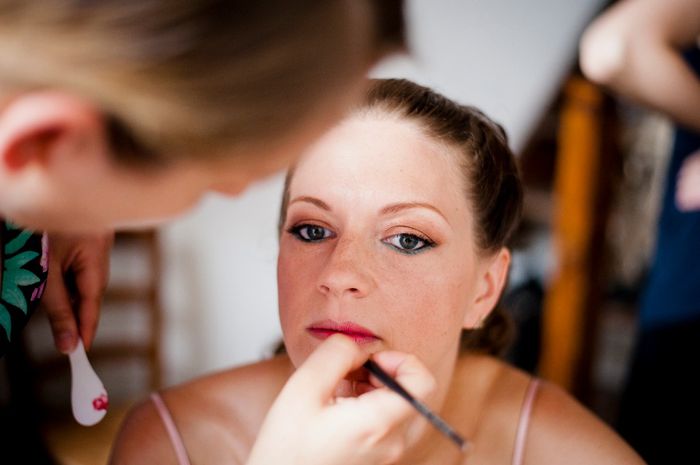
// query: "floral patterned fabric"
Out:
[24,262]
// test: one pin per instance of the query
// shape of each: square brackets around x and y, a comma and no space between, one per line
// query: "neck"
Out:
[461,405]
[430,446]
[434,448]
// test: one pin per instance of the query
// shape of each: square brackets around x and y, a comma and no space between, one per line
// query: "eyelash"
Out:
[300,231]
[297,231]
[426,243]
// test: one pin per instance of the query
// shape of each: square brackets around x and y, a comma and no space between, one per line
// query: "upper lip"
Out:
[346,327]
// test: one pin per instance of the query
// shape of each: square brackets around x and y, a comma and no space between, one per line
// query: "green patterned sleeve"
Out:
[24,262]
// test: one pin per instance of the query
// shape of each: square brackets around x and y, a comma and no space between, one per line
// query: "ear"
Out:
[491,280]
[36,127]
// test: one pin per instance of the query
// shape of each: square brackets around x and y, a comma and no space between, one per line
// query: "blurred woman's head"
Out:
[160,100]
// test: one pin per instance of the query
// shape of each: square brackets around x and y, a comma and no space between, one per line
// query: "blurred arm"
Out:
[635,49]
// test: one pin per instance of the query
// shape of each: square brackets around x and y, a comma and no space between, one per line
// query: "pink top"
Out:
[170,427]
[524,422]
[518,450]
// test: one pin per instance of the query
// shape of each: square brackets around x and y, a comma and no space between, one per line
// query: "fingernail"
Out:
[65,342]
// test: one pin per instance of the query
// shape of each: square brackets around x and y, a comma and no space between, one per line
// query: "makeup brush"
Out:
[423,409]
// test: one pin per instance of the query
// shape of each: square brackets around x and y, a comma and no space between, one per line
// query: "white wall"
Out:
[507,57]
[219,286]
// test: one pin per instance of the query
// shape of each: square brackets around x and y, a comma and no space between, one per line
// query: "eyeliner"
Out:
[423,409]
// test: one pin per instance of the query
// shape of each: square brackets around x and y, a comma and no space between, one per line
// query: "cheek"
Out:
[428,304]
[429,307]
[287,288]
[295,284]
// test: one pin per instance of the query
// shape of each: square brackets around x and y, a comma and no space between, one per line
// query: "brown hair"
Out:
[183,77]
[493,185]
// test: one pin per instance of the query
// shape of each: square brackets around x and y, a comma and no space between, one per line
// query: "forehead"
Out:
[381,158]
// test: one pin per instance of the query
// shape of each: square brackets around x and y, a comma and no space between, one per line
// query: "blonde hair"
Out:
[177,78]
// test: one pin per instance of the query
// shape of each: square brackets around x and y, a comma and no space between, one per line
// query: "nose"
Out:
[347,271]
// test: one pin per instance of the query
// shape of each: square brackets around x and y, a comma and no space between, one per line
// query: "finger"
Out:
[90,286]
[107,243]
[89,317]
[317,378]
[411,374]
[408,371]
[57,305]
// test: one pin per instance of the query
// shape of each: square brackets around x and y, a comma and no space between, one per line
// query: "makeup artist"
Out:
[116,114]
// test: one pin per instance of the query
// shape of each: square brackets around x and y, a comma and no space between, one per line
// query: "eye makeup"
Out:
[309,232]
[409,243]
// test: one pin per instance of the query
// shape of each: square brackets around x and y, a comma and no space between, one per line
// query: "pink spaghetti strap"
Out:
[173,434]
[524,422]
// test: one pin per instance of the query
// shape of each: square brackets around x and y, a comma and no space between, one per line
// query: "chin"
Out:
[297,354]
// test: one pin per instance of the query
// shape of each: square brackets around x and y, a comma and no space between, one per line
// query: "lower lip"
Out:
[359,338]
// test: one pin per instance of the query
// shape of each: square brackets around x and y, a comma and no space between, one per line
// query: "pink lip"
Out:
[326,328]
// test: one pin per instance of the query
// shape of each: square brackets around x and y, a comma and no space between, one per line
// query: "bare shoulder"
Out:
[217,416]
[254,385]
[142,438]
[562,430]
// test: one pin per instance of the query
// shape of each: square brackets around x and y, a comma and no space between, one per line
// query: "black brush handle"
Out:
[423,409]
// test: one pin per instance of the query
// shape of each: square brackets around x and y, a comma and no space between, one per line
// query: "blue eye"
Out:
[311,232]
[409,243]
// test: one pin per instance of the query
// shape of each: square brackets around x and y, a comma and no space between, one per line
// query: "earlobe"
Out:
[33,124]
[492,280]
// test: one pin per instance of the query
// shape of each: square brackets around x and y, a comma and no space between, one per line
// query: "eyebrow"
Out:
[312,200]
[388,210]
[398,207]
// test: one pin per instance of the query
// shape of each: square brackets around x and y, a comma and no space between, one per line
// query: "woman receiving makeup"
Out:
[393,234]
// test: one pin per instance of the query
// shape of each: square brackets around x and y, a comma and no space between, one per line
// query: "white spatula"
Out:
[88,395]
